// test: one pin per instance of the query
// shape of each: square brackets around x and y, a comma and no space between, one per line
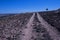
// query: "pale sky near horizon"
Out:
[18,6]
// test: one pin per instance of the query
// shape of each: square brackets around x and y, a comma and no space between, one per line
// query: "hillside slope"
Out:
[52,17]
[30,26]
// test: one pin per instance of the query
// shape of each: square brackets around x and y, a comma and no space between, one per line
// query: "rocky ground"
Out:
[30,26]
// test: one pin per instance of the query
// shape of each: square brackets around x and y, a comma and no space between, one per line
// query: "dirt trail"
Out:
[28,30]
[52,31]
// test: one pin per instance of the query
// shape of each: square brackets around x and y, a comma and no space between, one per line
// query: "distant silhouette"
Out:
[46,9]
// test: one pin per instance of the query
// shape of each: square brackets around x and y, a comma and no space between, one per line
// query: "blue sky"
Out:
[18,6]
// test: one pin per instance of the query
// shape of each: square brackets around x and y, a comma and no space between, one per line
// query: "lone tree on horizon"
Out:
[46,9]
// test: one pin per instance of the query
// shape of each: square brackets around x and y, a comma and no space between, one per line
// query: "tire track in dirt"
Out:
[52,31]
[28,31]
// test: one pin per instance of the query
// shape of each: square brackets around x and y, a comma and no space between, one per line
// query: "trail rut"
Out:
[52,31]
[28,31]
